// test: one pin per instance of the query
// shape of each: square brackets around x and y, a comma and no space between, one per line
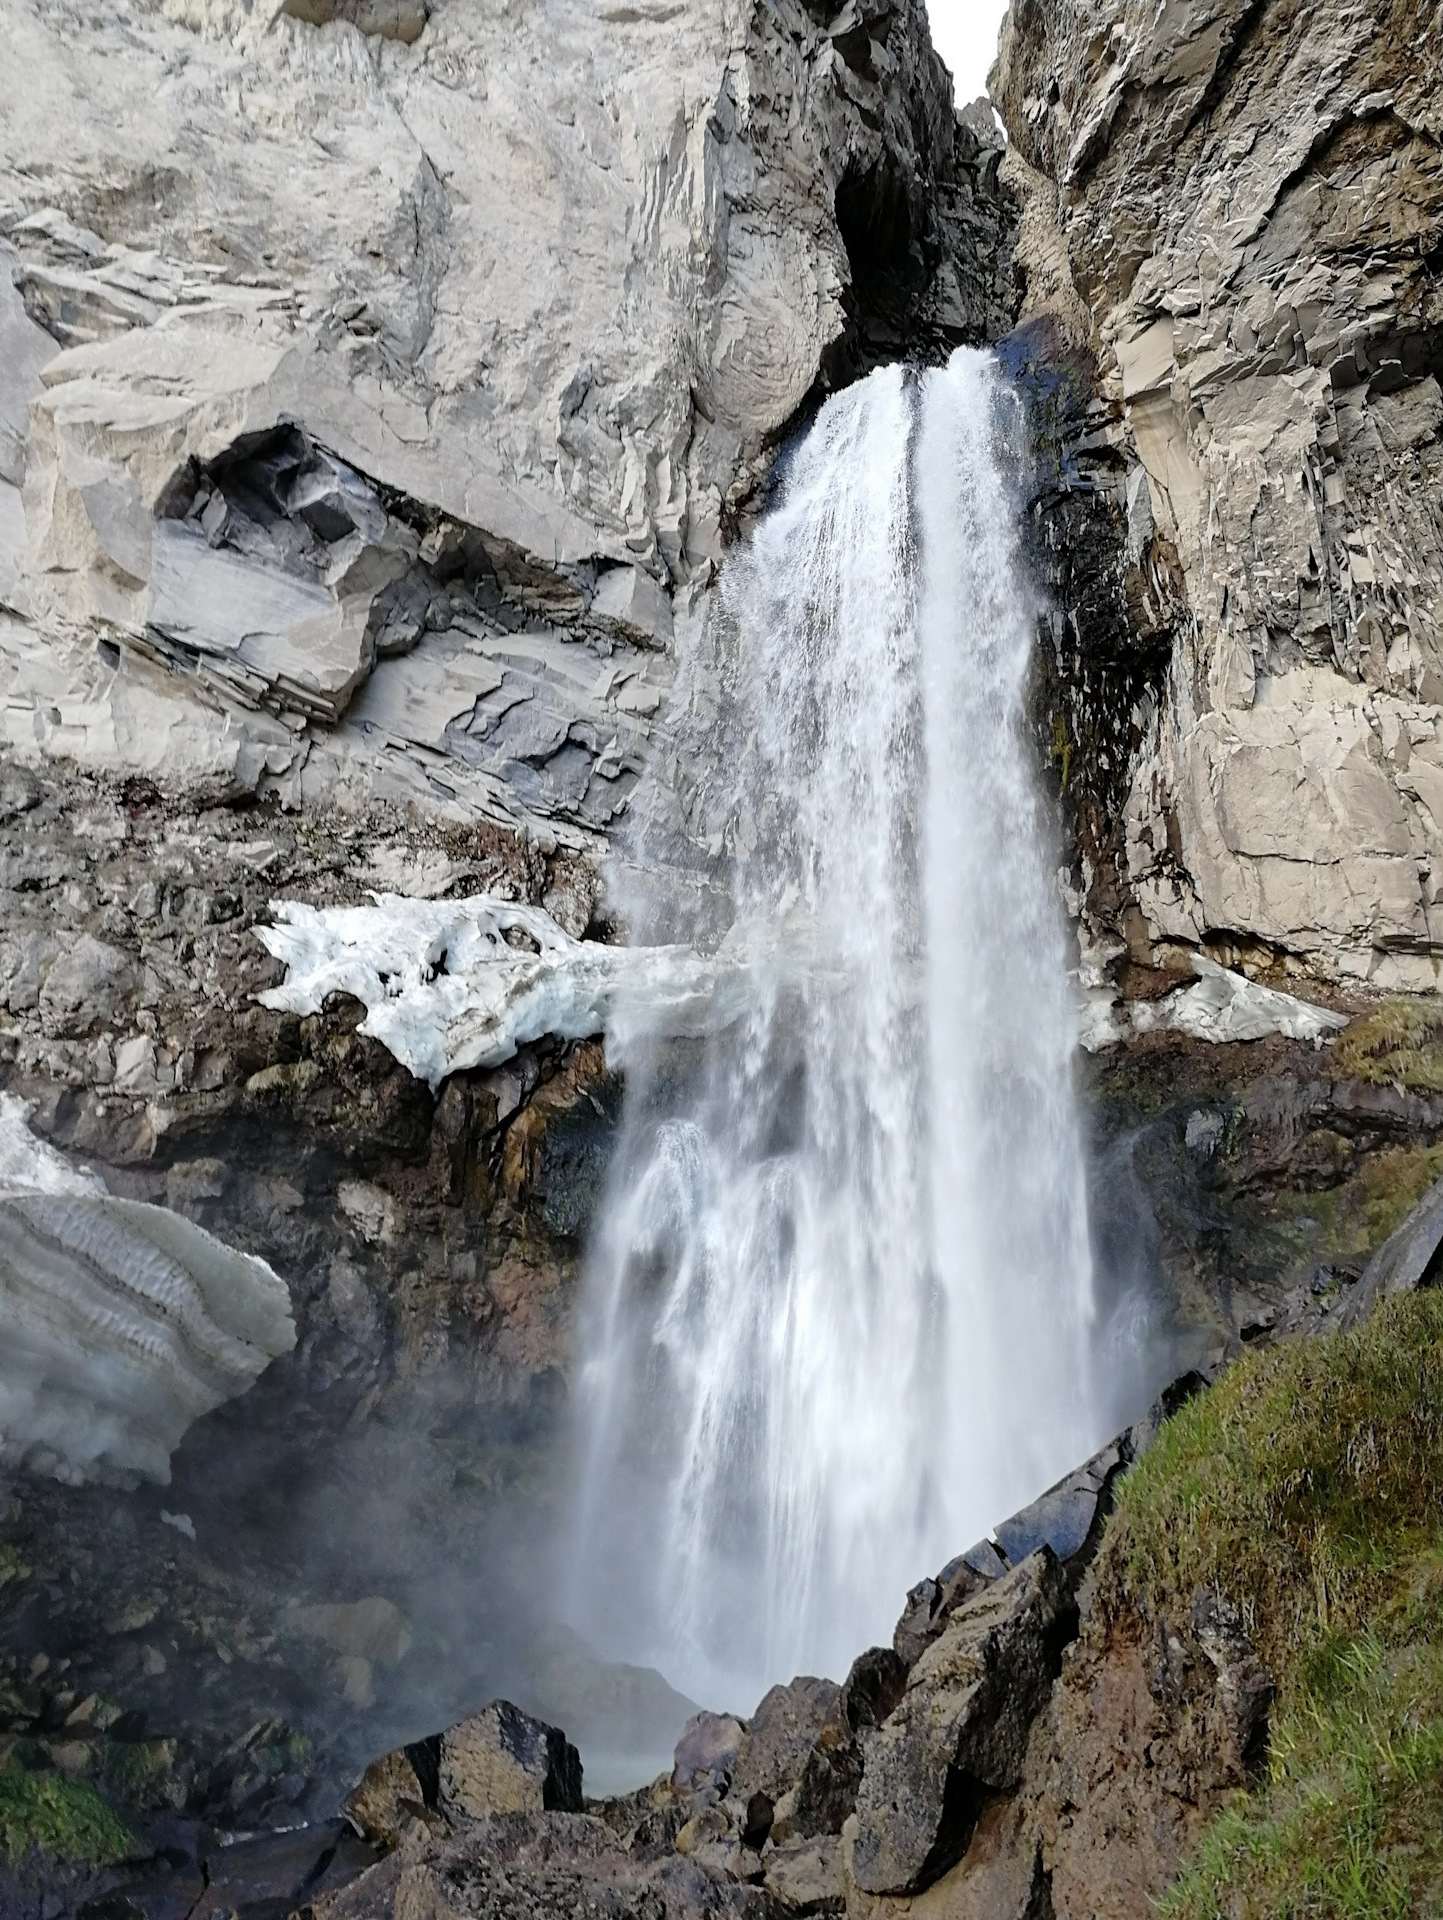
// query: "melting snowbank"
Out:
[1219,1006]
[120,1322]
[453,984]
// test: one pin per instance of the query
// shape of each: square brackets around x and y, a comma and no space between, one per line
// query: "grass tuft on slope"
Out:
[1307,1487]
[1399,1044]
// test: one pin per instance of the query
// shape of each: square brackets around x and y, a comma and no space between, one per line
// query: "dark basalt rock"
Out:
[930,1601]
[1068,1517]
[265,1877]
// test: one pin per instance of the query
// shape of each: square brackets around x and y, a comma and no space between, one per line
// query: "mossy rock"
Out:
[1351,1221]
[144,1773]
[66,1820]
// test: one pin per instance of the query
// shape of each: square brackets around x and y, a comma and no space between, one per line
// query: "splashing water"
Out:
[839,1302]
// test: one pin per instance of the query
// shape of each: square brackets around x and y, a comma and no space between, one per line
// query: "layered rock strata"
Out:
[375,405]
[1236,212]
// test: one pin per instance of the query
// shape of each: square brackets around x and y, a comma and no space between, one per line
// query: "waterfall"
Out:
[839,1302]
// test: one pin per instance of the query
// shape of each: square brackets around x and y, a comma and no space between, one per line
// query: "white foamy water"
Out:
[839,1303]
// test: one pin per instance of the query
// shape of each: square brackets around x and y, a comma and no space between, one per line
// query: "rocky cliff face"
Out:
[380,384]
[376,398]
[1236,211]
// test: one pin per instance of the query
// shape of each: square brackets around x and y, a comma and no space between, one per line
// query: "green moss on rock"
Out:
[1352,1220]
[62,1818]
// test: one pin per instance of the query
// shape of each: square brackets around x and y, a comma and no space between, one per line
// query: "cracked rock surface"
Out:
[1238,210]
[376,401]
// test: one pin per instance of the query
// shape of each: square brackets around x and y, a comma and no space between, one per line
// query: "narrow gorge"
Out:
[721,1077]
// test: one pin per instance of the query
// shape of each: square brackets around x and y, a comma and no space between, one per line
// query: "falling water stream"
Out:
[839,1303]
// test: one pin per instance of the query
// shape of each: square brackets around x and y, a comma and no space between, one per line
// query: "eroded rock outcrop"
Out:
[1238,211]
[497,1761]
[430,1244]
[961,1729]
[375,405]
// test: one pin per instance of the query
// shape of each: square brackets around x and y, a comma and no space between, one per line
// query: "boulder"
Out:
[787,1776]
[780,1736]
[497,1761]
[264,1873]
[807,1875]
[930,1601]
[396,1798]
[501,1760]
[1068,1517]
[961,1729]
[825,1793]
[706,1754]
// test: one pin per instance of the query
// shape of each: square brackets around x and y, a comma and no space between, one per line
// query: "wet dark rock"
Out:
[825,1794]
[1068,1517]
[930,1601]
[265,1877]
[961,1729]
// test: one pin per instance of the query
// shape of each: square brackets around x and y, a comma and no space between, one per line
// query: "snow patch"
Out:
[1220,1006]
[120,1322]
[456,984]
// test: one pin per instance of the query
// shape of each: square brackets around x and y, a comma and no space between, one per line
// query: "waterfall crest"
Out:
[839,1301]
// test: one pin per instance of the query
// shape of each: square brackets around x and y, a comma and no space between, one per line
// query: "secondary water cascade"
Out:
[839,1304]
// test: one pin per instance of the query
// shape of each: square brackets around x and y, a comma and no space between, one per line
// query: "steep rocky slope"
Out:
[1234,213]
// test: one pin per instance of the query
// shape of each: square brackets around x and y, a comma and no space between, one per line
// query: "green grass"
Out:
[1399,1044]
[1350,1824]
[66,1819]
[1307,1487]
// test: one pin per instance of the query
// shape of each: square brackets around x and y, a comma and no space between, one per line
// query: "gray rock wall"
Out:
[1239,210]
[381,382]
